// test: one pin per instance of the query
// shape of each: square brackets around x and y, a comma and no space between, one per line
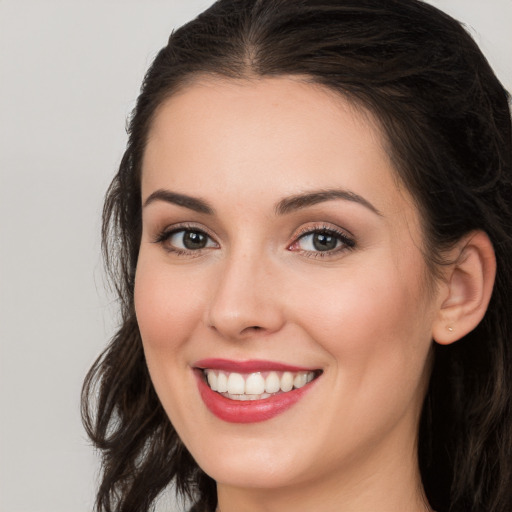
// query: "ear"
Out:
[466,291]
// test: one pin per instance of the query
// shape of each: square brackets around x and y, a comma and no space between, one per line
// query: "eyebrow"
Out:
[299,201]
[192,203]
[283,207]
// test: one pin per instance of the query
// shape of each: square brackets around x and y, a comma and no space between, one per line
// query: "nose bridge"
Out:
[244,300]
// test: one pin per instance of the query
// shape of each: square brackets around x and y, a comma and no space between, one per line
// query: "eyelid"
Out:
[166,233]
[323,226]
[347,239]
[343,235]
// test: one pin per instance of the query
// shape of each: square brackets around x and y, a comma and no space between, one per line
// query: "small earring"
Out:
[450,328]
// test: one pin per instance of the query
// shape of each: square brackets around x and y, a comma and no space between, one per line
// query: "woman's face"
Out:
[279,250]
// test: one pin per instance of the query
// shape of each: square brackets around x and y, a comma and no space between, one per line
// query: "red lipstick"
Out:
[255,365]
[250,411]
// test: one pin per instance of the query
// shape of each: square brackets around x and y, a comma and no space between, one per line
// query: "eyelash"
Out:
[166,234]
[347,242]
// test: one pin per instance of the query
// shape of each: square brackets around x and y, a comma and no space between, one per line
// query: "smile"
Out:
[251,391]
[257,385]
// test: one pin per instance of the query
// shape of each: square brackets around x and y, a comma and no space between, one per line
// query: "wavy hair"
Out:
[447,122]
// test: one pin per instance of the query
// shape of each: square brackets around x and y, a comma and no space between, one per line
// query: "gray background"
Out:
[69,75]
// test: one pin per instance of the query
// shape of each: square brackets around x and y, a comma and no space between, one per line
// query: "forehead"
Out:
[229,136]
[262,104]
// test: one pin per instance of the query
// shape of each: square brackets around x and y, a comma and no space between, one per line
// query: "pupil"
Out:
[194,240]
[324,242]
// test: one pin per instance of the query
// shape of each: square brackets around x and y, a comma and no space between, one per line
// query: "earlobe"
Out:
[468,288]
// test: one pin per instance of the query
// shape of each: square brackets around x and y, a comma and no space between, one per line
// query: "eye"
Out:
[186,240]
[322,240]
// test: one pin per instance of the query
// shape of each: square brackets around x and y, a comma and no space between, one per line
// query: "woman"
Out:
[310,236]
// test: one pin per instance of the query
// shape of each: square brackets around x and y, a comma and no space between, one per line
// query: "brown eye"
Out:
[194,240]
[187,240]
[323,241]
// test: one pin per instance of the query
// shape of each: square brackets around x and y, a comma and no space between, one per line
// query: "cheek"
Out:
[168,311]
[168,307]
[375,326]
[374,322]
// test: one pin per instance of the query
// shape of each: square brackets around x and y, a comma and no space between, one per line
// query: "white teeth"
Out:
[287,381]
[254,386]
[222,382]
[212,381]
[301,379]
[272,383]
[236,384]
[247,398]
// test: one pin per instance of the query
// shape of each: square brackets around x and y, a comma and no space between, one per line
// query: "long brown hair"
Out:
[447,121]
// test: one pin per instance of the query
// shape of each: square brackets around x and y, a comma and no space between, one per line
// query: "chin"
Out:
[249,472]
[265,460]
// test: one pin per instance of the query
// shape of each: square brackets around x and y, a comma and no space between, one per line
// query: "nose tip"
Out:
[235,329]
[237,317]
[245,303]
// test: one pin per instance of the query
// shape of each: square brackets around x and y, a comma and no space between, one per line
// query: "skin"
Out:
[364,315]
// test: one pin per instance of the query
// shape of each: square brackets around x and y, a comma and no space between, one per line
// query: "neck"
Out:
[306,499]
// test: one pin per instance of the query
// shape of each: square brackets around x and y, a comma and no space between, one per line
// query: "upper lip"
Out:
[248,366]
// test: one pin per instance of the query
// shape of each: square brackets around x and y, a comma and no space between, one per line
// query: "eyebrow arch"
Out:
[192,203]
[300,201]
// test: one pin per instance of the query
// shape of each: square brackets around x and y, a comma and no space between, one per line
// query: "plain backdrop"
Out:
[70,71]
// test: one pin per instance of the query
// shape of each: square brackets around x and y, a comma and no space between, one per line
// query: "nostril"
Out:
[252,328]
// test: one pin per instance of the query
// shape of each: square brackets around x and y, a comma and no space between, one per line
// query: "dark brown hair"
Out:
[447,121]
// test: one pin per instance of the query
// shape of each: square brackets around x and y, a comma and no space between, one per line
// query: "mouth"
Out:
[251,391]
[256,385]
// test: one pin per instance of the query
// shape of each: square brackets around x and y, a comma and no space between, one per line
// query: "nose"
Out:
[246,300]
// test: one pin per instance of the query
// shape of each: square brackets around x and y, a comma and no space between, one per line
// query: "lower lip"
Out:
[249,411]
